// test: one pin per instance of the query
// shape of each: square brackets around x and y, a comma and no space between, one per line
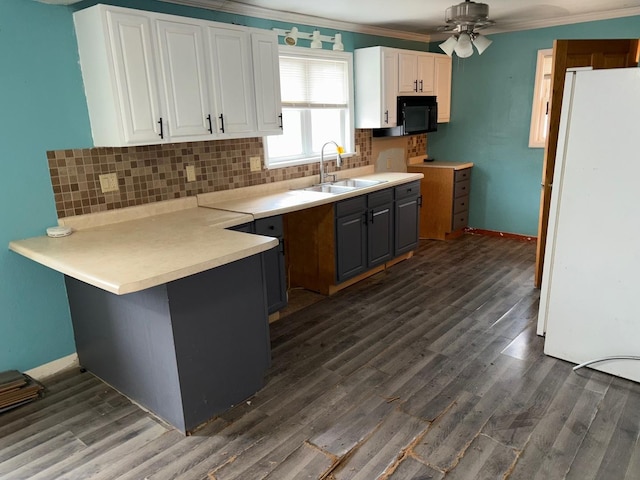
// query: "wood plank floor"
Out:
[429,370]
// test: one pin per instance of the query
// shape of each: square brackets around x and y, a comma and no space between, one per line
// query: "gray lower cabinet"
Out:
[407,217]
[187,350]
[363,233]
[351,237]
[275,273]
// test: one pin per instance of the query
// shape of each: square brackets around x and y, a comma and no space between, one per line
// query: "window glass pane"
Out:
[326,125]
[290,143]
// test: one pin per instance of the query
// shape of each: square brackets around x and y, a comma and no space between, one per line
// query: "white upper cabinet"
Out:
[230,61]
[120,72]
[376,87]
[415,73]
[442,87]
[153,78]
[187,88]
[382,74]
[266,75]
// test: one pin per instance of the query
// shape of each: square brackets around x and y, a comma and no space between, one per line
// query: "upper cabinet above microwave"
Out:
[382,74]
[153,78]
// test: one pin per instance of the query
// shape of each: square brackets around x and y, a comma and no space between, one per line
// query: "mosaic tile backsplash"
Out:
[154,173]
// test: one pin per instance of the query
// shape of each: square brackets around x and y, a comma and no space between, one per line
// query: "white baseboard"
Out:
[54,367]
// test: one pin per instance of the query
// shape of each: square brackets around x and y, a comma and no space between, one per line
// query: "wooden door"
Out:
[568,54]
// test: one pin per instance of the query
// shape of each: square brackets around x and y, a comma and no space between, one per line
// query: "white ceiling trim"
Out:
[296,19]
[559,21]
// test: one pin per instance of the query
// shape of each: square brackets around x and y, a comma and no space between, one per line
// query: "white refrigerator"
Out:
[590,296]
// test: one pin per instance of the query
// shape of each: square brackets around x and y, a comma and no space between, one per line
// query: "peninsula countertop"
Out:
[133,255]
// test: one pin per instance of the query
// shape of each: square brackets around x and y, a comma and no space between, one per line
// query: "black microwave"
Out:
[416,114]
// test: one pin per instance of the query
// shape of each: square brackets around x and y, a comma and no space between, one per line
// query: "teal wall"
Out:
[490,117]
[44,108]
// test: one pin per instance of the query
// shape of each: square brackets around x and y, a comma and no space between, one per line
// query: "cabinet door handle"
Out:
[386,116]
[415,85]
[280,117]
[210,125]
[421,84]
[381,212]
[420,201]
[161,128]
[221,117]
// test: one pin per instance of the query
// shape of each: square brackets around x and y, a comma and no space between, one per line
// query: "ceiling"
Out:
[419,19]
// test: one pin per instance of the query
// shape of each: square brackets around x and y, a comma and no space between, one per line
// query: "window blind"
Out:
[313,83]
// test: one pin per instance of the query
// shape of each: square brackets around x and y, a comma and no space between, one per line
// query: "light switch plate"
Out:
[191,173]
[256,164]
[109,182]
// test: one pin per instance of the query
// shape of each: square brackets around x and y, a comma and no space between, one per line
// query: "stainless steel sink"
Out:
[343,186]
[357,183]
[329,188]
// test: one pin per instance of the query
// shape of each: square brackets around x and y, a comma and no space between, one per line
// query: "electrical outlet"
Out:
[256,164]
[109,182]
[191,173]
[357,150]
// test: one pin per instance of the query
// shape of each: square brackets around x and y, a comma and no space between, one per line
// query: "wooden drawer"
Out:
[380,198]
[461,188]
[271,226]
[460,175]
[407,190]
[460,204]
[352,205]
[459,220]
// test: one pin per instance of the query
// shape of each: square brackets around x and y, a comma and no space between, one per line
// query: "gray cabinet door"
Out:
[380,234]
[275,274]
[351,238]
[407,227]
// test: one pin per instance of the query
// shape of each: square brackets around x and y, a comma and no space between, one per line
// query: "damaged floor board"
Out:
[429,370]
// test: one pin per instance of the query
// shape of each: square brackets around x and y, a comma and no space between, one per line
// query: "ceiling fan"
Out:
[464,20]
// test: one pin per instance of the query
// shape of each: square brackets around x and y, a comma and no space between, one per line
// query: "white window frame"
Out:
[349,135]
[541,99]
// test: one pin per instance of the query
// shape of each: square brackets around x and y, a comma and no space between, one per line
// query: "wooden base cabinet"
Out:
[334,245]
[445,206]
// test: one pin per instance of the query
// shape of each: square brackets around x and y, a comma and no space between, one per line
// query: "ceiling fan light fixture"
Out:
[481,43]
[464,48]
[449,45]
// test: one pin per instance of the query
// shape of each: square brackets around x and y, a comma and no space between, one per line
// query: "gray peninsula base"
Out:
[186,350]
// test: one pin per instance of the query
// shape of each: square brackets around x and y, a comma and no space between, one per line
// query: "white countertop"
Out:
[134,255]
[276,203]
[135,248]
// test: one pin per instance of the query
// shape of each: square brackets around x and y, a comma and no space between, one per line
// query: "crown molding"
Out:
[296,18]
[559,21]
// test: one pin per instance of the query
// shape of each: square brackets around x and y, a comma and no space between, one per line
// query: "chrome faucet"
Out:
[323,175]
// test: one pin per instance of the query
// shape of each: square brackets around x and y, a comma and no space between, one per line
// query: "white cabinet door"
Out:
[425,70]
[136,77]
[266,75]
[186,86]
[233,76]
[442,88]
[389,88]
[407,73]
[415,73]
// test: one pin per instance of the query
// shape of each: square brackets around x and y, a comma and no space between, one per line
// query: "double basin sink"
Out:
[343,186]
